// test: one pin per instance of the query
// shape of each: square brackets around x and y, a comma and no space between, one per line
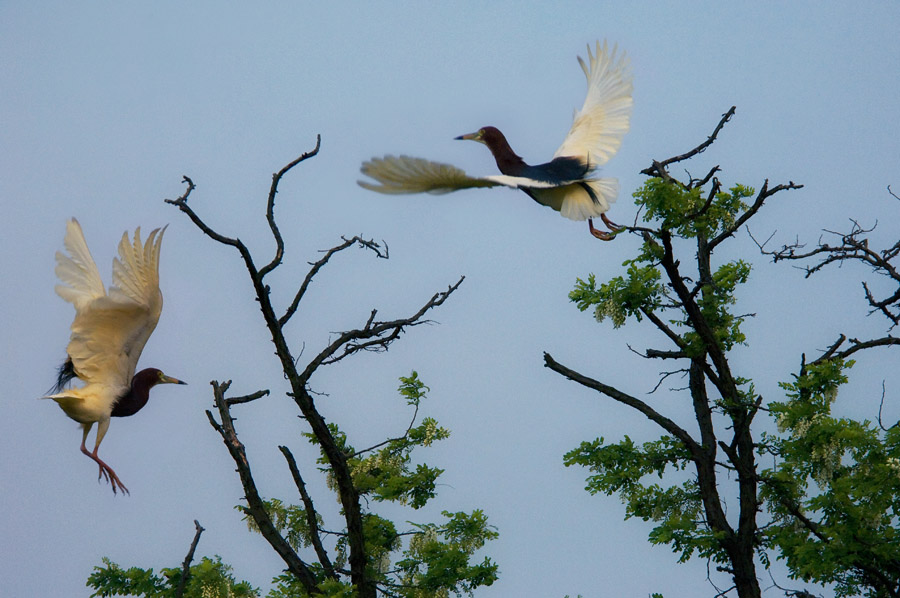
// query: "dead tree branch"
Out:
[853,246]
[255,508]
[186,565]
[373,336]
[311,520]
[658,169]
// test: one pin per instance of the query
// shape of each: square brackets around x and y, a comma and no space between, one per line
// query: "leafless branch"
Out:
[316,266]
[181,203]
[255,507]
[658,169]
[311,520]
[853,246]
[270,207]
[186,564]
[663,378]
[855,345]
[761,197]
[412,422]
[247,398]
[880,407]
[374,335]
[664,422]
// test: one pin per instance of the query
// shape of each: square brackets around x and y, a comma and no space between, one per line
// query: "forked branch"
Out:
[270,207]
[658,169]
[255,508]
[375,335]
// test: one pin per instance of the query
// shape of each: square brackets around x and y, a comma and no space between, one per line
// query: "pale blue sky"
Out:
[106,105]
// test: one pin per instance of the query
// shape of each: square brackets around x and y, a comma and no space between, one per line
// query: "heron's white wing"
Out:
[598,128]
[78,271]
[110,331]
[404,174]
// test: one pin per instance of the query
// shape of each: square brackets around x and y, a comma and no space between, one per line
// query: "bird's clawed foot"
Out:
[110,476]
[603,235]
[107,473]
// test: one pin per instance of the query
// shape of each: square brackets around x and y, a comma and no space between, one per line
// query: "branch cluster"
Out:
[372,335]
[690,301]
[852,246]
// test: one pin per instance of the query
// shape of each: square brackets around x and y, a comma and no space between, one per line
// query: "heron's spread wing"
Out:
[603,120]
[404,174]
[110,330]
[78,271]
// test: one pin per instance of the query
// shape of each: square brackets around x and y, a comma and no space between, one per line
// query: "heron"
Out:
[108,334]
[567,183]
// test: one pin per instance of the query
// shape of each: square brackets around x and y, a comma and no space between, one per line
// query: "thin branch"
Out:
[761,197]
[270,208]
[664,376]
[716,187]
[181,203]
[255,507]
[316,266]
[880,407]
[658,169]
[664,422]
[412,422]
[247,398]
[311,521]
[373,334]
[855,345]
[186,564]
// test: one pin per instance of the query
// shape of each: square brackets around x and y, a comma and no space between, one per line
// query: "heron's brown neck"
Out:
[138,395]
[507,160]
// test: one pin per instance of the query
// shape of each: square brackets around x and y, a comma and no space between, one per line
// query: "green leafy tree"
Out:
[363,554]
[829,507]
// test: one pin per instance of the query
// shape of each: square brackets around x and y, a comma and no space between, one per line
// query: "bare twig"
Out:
[316,266]
[855,345]
[247,398]
[658,169]
[761,197]
[270,207]
[880,407]
[374,334]
[186,564]
[617,395]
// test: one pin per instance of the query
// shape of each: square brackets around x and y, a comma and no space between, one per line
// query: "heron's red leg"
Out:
[610,224]
[105,470]
[602,235]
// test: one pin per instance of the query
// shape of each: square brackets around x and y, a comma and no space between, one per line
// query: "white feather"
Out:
[598,128]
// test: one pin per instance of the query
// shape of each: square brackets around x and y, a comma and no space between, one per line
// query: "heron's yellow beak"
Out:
[163,379]
[476,136]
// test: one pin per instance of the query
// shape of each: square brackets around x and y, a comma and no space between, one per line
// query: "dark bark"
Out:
[373,336]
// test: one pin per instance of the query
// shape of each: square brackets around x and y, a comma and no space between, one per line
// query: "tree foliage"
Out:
[829,507]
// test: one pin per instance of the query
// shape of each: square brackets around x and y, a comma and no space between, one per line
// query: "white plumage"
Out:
[567,183]
[109,332]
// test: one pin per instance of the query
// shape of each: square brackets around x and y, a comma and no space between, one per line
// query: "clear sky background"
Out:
[104,106]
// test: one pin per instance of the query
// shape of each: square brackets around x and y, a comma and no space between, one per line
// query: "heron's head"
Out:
[486,135]
[154,376]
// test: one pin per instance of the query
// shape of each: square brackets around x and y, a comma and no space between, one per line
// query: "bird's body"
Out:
[108,334]
[567,183]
